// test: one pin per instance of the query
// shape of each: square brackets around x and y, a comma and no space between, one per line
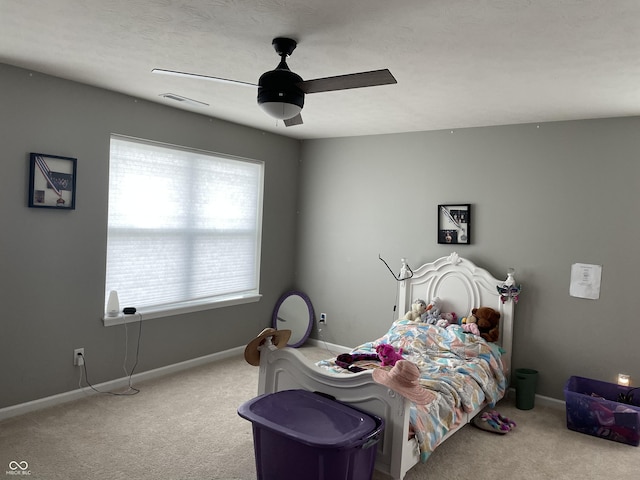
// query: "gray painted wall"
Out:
[543,197]
[52,263]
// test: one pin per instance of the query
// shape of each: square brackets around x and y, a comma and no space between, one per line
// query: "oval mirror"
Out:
[294,312]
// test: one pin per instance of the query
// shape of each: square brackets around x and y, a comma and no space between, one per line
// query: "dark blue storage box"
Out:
[304,435]
[592,408]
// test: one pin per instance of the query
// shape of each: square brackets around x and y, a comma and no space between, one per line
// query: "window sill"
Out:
[150,313]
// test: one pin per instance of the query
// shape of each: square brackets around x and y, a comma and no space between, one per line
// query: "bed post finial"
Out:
[404,269]
[509,289]
[510,280]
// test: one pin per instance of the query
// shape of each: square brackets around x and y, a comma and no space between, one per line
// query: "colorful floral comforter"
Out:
[463,370]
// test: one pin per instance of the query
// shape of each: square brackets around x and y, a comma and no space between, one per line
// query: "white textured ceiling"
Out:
[459,63]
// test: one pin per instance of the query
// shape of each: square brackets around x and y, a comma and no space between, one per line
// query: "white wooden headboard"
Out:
[461,286]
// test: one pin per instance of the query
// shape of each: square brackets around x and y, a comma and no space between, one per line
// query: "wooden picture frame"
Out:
[52,181]
[454,224]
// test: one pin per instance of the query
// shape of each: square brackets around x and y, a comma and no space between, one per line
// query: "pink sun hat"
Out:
[404,378]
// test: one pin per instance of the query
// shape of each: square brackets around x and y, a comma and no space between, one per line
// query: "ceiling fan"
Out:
[281,92]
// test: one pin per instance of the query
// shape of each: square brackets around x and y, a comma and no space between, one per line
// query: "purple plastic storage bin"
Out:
[301,435]
[592,408]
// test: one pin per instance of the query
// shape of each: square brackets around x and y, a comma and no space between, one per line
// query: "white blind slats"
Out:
[183,225]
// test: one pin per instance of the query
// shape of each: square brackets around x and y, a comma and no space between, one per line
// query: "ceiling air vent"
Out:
[188,101]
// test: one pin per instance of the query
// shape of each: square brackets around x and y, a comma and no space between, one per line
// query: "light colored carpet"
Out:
[185,426]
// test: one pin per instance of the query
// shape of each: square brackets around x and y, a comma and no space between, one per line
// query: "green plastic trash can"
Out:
[526,380]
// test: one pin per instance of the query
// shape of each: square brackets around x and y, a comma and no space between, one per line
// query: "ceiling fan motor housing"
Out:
[279,86]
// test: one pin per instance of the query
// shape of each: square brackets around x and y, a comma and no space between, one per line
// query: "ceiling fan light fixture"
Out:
[281,110]
[278,94]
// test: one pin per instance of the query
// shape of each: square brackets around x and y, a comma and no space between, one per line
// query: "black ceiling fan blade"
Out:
[204,77]
[345,82]
[290,122]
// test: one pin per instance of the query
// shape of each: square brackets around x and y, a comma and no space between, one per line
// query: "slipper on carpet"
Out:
[492,421]
[504,420]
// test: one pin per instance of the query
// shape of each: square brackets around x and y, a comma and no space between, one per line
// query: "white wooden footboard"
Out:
[286,368]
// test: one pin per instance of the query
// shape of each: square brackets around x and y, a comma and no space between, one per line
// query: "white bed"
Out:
[461,286]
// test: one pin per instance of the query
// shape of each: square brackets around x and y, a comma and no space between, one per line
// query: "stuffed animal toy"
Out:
[469,324]
[388,354]
[446,319]
[488,321]
[468,319]
[441,322]
[470,327]
[432,315]
[418,308]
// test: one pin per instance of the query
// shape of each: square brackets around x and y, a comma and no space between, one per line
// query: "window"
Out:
[184,227]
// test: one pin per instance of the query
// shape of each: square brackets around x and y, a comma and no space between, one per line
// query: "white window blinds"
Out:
[184,225]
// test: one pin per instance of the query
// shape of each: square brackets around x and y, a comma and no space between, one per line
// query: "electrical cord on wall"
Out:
[394,314]
[326,345]
[398,278]
[131,390]
[126,349]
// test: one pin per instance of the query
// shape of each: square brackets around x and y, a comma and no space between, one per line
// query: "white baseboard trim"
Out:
[331,346]
[541,400]
[550,402]
[22,408]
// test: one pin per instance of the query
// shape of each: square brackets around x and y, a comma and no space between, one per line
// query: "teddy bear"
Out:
[488,321]
[418,308]
[388,354]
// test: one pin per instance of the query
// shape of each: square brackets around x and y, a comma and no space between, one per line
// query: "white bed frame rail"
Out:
[461,286]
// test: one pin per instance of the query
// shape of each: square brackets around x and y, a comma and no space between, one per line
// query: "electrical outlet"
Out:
[78,357]
[323,318]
